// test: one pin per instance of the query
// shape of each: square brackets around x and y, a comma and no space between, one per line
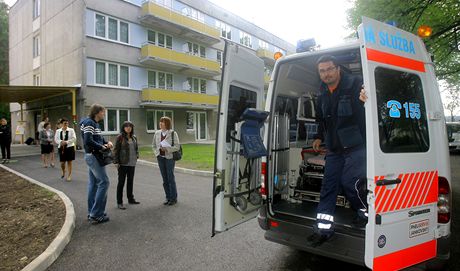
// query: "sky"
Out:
[292,20]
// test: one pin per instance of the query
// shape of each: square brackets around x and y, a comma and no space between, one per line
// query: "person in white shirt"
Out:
[66,138]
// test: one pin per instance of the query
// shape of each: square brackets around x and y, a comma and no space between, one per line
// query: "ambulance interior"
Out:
[296,170]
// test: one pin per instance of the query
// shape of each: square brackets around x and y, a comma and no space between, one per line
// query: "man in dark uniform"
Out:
[340,115]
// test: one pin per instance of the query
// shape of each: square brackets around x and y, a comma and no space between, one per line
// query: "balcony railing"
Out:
[163,17]
[182,98]
[176,61]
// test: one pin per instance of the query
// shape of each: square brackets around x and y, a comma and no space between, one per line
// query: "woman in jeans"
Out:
[163,148]
[125,156]
[47,144]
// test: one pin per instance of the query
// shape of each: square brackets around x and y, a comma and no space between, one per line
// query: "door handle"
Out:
[388,182]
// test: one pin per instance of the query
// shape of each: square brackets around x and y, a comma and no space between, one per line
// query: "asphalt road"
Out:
[151,236]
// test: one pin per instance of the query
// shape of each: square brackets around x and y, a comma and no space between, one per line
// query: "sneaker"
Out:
[121,207]
[317,239]
[172,202]
[69,178]
[133,202]
[359,223]
[166,202]
[98,220]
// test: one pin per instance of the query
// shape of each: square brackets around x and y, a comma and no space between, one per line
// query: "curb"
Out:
[52,252]
[202,173]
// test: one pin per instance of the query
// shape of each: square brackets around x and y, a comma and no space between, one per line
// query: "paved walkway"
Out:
[151,236]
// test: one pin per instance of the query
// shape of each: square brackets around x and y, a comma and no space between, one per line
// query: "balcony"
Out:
[267,56]
[173,98]
[170,60]
[174,22]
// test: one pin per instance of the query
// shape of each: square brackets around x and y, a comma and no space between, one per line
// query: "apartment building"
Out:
[141,59]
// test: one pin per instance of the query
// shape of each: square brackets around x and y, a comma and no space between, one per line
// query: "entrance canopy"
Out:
[25,94]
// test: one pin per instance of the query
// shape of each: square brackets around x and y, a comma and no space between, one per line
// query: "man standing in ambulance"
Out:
[341,119]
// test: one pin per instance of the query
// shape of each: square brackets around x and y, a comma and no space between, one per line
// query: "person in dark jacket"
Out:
[5,140]
[125,155]
[98,182]
[341,125]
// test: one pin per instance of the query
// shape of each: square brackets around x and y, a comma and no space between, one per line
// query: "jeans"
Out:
[125,172]
[98,185]
[167,173]
[6,150]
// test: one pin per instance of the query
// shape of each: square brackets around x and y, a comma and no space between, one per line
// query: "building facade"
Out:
[141,59]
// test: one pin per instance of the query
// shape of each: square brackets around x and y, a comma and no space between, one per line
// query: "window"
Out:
[263,44]
[113,75]
[114,119]
[36,80]
[402,116]
[36,46]
[219,58]
[124,76]
[166,3]
[111,28]
[124,32]
[100,25]
[196,49]
[158,79]
[225,30]
[159,39]
[100,73]
[118,75]
[196,85]
[193,13]
[197,122]
[153,119]
[239,100]
[245,39]
[36,9]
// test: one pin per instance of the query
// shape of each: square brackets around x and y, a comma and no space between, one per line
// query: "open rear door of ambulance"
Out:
[401,169]
[236,195]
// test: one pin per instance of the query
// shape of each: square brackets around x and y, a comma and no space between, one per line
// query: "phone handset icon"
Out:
[394,106]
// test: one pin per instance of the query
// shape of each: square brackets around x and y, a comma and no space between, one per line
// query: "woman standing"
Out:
[163,148]
[66,138]
[5,140]
[46,143]
[125,155]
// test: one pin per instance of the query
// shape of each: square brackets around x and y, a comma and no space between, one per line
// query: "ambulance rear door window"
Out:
[238,101]
[403,125]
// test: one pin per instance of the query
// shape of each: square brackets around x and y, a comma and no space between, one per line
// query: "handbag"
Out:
[104,157]
[177,155]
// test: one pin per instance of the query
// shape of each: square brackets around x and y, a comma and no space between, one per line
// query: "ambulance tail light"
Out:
[263,179]
[443,201]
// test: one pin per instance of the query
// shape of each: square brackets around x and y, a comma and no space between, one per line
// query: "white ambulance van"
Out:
[265,166]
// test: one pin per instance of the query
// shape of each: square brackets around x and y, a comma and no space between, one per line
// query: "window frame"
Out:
[107,74]
[36,50]
[245,39]
[106,35]
[199,85]
[157,79]
[156,125]
[224,28]
[104,129]
[36,6]
[156,42]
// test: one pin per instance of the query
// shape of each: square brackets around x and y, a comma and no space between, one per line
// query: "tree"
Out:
[452,96]
[441,15]
[4,75]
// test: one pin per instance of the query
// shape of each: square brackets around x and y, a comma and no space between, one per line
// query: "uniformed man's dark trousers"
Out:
[341,170]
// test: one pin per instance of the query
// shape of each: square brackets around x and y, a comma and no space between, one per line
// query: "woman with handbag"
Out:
[125,155]
[165,142]
[46,136]
[66,138]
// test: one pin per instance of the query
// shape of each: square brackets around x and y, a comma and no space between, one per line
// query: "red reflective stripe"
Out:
[384,194]
[410,191]
[400,191]
[406,257]
[416,193]
[405,183]
[392,196]
[425,189]
[395,60]
[406,191]
[378,192]
[432,195]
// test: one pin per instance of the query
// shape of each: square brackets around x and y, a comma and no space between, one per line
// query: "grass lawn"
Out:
[195,156]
